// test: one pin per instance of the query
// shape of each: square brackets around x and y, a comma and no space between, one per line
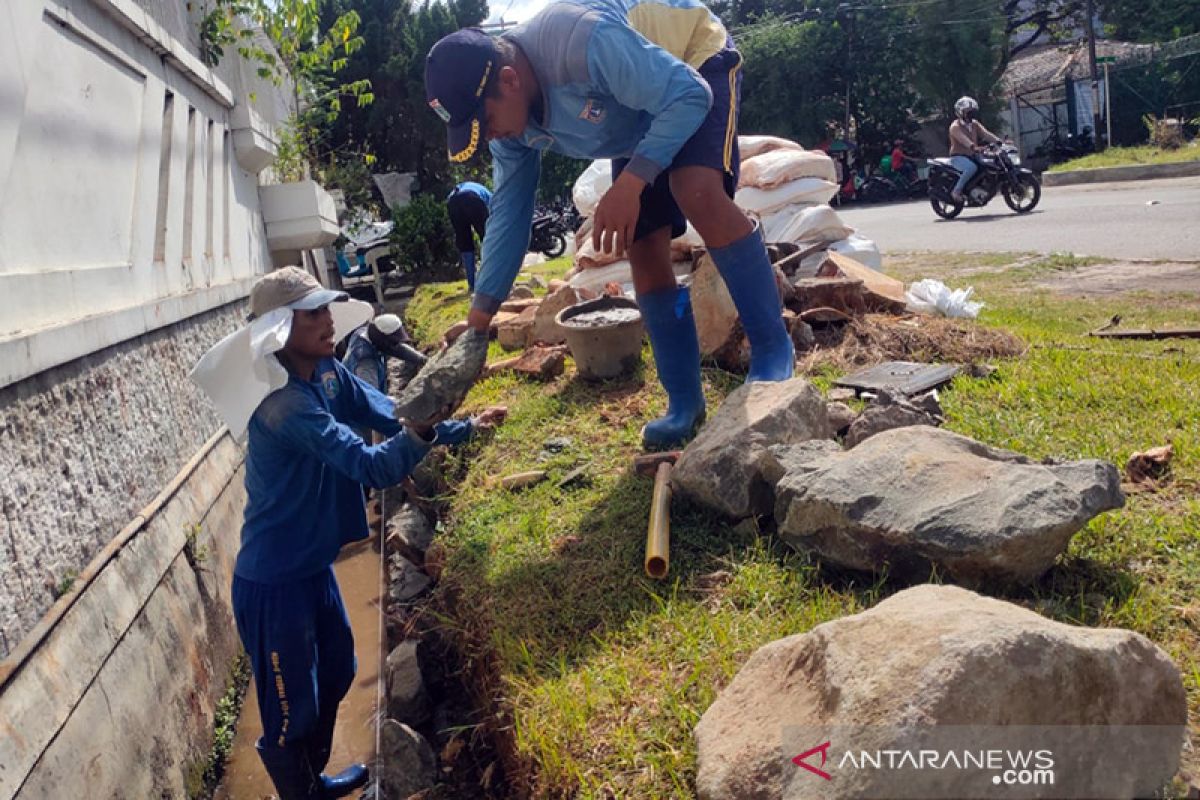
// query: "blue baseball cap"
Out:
[457,71]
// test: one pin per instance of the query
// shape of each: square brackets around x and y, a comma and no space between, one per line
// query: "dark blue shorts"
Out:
[714,144]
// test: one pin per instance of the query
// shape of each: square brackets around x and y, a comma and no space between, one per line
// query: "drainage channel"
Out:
[358,573]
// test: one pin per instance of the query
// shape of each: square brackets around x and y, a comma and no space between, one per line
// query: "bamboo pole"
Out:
[658,536]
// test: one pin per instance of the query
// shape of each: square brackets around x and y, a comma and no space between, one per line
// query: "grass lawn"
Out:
[599,674]
[1124,156]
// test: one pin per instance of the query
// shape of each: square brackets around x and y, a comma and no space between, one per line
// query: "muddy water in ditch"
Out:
[357,571]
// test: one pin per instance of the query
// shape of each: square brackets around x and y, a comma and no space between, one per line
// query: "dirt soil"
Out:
[1118,277]
[875,338]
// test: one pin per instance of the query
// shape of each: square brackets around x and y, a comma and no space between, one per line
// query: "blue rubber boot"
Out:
[351,778]
[468,262]
[668,317]
[747,272]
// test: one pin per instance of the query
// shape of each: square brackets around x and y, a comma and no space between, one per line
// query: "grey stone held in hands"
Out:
[445,380]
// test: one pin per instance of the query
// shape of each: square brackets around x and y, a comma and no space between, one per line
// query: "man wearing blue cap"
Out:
[655,86]
[467,207]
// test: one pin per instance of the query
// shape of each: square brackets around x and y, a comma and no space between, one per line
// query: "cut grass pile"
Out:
[1126,156]
[597,675]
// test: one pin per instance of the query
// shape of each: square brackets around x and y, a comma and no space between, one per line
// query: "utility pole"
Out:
[1091,32]
[847,14]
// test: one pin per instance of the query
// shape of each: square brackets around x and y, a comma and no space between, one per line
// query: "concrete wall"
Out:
[116,699]
[129,237]
[87,445]
[122,205]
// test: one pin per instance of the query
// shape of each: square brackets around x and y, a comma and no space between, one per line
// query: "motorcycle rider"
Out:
[966,132]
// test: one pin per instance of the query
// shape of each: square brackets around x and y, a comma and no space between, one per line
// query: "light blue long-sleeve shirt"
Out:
[618,80]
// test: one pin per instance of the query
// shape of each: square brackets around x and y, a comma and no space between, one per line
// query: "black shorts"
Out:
[714,144]
[468,214]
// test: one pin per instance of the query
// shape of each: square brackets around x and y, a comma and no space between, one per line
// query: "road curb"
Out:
[1131,172]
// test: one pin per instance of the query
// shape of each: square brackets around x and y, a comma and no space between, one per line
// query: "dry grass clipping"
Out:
[875,338]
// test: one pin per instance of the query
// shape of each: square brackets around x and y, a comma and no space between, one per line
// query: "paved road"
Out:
[1106,219]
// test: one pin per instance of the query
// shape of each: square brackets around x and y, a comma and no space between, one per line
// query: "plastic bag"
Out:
[810,191]
[861,249]
[931,296]
[804,224]
[751,146]
[591,186]
[777,167]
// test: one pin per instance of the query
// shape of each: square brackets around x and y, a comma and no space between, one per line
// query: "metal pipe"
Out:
[658,535]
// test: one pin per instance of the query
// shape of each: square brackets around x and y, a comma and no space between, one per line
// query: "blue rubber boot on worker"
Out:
[667,314]
[747,272]
[468,262]
[345,782]
[291,772]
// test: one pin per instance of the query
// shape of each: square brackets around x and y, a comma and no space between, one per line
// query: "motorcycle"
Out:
[1000,171]
[547,234]
[881,188]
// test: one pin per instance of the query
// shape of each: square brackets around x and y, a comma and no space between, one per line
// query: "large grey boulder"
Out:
[407,762]
[909,498]
[722,467]
[445,379]
[407,699]
[981,669]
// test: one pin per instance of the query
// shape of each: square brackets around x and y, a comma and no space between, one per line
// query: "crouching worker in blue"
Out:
[305,468]
[655,86]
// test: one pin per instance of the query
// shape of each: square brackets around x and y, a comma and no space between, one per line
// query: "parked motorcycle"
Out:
[548,234]
[881,188]
[1000,171]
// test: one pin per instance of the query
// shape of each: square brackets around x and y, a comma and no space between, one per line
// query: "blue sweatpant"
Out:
[298,639]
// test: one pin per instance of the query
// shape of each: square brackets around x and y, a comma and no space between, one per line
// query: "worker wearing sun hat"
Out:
[305,468]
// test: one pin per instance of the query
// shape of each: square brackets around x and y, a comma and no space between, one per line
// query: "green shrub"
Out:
[423,240]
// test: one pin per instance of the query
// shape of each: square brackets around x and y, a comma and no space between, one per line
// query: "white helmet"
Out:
[964,105]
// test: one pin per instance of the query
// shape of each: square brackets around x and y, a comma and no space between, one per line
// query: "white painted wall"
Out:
[113,199]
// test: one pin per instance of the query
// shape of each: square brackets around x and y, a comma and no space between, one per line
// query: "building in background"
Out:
[137,207]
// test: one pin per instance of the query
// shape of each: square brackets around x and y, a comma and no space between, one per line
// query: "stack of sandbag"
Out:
[788,188]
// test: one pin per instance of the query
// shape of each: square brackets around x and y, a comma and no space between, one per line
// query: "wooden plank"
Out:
[1148,333]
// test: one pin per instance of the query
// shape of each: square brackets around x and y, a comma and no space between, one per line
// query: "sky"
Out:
[513,10]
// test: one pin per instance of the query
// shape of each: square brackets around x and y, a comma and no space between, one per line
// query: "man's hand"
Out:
[491,417]
[476,319]
[616,215]
[424,428]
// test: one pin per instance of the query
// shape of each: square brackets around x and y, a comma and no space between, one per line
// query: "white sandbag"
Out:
[777,167]
[591,186]
[586,256]
[805,224]
[861,249]
[810,191]
[620,272]
[934,297]
[751,146]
